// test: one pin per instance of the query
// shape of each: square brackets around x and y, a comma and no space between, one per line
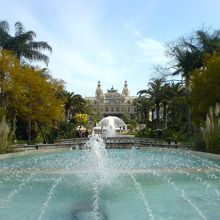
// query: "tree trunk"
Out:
[29,131]
[146,117]
[152,114]
[14,122]
[158,115]
[165,115]
[188,111]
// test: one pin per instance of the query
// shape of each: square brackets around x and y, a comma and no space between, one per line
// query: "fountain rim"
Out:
[56,149]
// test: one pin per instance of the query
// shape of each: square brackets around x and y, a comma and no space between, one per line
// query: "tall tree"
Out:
[186,58]
[22,44]
[155,92]
[143,106]
[190,53]
[175,103]
[10,83]
[205,89]
[25,92]
[75,104]
[208,43]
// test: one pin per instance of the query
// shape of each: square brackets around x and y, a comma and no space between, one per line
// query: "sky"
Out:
[109,40]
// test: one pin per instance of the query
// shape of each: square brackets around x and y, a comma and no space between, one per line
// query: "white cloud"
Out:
[150,51]
[85,48]
[85,69]
[107,57]
[147,51]
[136,33]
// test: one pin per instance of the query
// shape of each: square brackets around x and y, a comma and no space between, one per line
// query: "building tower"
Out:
[99,93]
[125,90]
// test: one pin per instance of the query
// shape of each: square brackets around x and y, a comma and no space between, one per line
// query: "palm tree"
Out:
[175,92]
[155,93]
[75,104]
[188,54]
[22,44]
[68,105]
[143,107]
[185,58]
[208,43]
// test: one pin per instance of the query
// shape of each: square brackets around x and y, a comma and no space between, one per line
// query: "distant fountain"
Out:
[110,126]
[109,132]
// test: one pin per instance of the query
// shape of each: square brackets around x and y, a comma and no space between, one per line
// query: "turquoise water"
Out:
[161,184]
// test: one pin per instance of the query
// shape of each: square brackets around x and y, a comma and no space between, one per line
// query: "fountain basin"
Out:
[150,183]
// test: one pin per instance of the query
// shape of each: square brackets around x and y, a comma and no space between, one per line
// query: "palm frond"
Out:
[4,25]
[4,33]
[19,28]
[177,72]
[34,55]
[9,44]
[22,43]
[142,92]
[40,45]
[25,37]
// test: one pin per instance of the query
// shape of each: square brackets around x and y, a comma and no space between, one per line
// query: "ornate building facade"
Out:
[113,103]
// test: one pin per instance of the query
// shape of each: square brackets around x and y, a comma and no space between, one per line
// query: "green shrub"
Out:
[146,133]
[168,133]
[214,142]
[5,136]
[197,142]
[211,131]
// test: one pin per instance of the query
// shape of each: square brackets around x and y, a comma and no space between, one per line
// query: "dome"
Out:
[112,121]
[112,93]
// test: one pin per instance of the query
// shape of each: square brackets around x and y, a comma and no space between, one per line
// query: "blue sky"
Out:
[109,40]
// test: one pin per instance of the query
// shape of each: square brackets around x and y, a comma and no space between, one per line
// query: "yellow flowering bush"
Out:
[82,118]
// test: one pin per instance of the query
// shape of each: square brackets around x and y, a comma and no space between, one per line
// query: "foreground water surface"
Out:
[110,184]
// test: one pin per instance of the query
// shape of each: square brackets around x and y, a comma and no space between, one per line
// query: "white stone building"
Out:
[113,103]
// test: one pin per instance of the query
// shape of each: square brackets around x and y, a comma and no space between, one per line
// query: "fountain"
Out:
[95,183]
[110,126]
